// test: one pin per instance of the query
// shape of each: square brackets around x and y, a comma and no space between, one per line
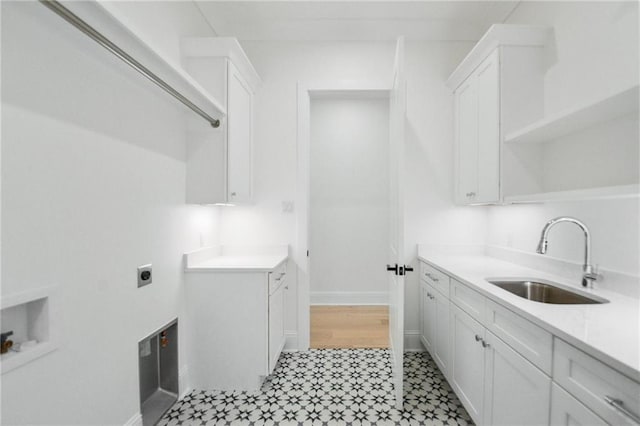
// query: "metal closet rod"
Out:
[96,36]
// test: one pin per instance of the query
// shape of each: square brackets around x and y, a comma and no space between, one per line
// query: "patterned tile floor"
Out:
[330,387]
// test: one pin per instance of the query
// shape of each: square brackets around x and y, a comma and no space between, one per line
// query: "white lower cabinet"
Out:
[500,364]
[568,411]
[516,392]
[496,384]
[235,327]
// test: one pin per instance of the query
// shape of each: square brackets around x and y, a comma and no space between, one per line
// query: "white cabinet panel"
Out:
[441,333]
[276,326]
[533,342]
[434,277]
[488,149]
[477,109]
[611,395]
[434,318]
[516,392]
[239,134]
[466,107]
[469,300]
[428,317]
[568,411]
[467,361]
[206,167]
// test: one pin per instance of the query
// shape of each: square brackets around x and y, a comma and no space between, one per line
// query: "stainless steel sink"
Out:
[544,292]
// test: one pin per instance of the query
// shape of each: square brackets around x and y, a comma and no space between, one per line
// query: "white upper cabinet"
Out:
[508,149]
[496,86]
[478,147]
[219,161]
[239,135]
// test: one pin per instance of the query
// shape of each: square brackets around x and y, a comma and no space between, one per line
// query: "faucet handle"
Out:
[590,275]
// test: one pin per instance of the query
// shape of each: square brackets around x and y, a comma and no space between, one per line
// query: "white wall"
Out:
[349,199]
[595,54]
[93,186]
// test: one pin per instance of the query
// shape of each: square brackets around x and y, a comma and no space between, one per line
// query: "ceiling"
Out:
[354,20]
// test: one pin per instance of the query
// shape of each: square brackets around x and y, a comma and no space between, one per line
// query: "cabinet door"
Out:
[568,411]
[276,326]
[467,361]
[239,134]
[516,392]
[428,318]
[488,128]
[466,110]
[441,332]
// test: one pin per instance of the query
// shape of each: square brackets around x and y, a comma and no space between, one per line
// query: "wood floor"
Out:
[349,327]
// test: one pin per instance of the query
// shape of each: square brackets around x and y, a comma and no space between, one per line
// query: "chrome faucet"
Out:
[589,273]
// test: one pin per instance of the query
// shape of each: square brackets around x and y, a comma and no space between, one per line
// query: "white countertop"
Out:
[239,263]
[609,332]
[233,259]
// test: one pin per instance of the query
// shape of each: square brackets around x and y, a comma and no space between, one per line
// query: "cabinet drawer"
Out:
[531,341]
[568,411]
[469,300]
[434,277]
[277,277]
[611,395]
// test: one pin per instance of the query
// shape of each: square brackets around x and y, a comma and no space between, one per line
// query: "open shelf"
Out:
[114,24]
[602,193]
[576,119]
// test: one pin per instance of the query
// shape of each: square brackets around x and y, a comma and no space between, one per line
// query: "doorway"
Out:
[349,219]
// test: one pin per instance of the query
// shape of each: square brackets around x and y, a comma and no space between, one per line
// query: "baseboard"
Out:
[291,341]
[185,392]
[412,341]
[349,298]
[183,381]
[136,420]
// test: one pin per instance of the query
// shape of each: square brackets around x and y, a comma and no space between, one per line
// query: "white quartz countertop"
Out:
[233,259]
[609,332]
[239,263]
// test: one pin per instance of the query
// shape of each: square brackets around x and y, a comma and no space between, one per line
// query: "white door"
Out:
[397,113]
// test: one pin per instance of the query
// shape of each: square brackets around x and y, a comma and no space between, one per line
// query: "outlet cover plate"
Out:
[145,275]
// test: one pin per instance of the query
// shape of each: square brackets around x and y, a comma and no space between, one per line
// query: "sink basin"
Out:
[544,292]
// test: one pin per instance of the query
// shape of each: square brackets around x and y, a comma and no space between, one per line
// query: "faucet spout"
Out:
[589,272]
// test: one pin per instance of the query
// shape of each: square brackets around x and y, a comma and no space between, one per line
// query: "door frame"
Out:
[305,92]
